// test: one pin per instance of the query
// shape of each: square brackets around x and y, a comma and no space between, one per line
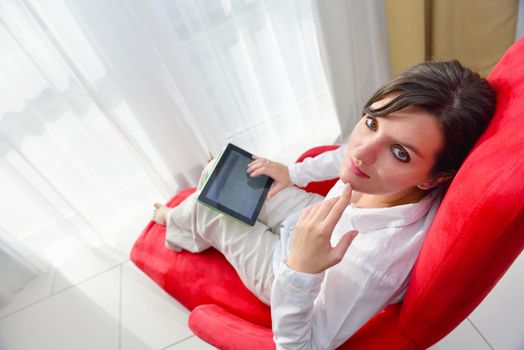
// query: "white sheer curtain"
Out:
[520,21]
[106,106]
[212,70]
[355,52]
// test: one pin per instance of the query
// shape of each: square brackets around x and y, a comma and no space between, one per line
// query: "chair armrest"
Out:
[222,329]
[321,187]
[315,151]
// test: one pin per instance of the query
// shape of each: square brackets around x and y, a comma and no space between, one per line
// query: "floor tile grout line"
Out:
[480,333]
[53,281]
[63,290]
[24,307]
[90,277]
[177,342]
[93,276]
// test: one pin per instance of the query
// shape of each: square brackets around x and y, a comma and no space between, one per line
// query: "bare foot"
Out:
[160,215]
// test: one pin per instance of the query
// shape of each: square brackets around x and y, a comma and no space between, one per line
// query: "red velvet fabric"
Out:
[322,187]
[227,331]
[477,233]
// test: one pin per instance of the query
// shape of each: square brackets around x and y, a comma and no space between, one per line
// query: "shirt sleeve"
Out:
[325,166]
[321,311]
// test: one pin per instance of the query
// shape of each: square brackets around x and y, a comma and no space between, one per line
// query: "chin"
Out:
[344,176]
[359,186]
[347,177]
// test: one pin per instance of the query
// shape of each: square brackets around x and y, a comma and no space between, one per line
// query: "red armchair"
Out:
[477,234]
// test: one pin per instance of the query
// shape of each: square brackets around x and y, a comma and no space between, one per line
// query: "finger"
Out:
[251,168]
[342,246]
[270,193]
[338,208]
[256,162]
[275,188]
[257,159]
[314,210]
[255,166]
[260,160]
[264,169]
[306,212]
[324,208]
[259,171]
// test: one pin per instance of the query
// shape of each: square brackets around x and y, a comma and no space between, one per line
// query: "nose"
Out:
[367,152]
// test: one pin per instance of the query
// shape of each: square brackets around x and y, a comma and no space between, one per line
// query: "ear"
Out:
[436,180]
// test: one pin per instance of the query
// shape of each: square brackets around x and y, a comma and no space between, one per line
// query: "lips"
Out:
[356,170]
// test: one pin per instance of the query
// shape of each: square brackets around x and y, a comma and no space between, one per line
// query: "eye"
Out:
[400,153]
[371,123]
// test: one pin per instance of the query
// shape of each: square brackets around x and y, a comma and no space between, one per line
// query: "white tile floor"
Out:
[117,308]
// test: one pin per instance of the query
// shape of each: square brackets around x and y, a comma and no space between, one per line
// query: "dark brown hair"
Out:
[460,99]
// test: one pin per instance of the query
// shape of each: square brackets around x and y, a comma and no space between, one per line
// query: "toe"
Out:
[158,205]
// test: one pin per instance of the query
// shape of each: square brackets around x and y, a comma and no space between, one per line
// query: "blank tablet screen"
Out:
[231,190]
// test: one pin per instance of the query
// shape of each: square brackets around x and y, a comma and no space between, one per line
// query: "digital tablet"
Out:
[231,190]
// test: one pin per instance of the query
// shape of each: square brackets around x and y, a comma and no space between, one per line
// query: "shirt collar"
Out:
[371,219]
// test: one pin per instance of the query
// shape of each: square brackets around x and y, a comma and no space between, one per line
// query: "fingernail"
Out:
[347,189]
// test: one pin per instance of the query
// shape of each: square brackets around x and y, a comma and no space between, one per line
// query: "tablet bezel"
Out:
[230,148]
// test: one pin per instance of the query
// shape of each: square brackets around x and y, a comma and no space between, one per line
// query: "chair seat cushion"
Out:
[195,279]
[205,278]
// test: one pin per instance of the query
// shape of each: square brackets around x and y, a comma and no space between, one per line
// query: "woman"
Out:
[303,257]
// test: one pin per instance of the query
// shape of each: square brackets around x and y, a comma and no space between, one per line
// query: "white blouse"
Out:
[321,311]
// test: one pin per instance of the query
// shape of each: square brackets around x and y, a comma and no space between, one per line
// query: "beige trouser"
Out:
[249,249]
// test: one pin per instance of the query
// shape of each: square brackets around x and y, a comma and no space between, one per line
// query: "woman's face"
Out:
[392,154]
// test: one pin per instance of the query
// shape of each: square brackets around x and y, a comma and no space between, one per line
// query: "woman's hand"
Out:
[279,173]
[311,249]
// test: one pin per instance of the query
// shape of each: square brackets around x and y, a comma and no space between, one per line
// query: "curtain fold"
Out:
[109,106]
[520,20]
[355,52]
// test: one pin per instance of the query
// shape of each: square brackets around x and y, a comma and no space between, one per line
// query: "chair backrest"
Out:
[479,229]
